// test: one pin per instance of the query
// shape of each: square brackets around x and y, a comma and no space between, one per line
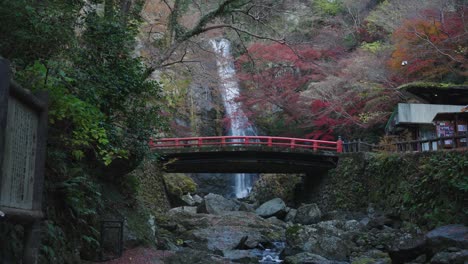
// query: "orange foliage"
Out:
[431,48]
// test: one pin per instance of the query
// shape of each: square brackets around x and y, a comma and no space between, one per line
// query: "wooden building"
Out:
[431,111]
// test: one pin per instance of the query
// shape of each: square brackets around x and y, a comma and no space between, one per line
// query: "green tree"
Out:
[35,30]
[102,107]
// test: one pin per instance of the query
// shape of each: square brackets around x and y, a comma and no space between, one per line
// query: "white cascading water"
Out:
[239,123]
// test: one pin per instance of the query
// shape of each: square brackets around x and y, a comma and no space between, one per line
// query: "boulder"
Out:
[274,207]
[188,199]
[221,238]
[331,227]
[365,221]
[291,215]
[227,231]
[373,257]
[447,236]
[310,258]
[241,256]
[324,239]
[246,244]
[242,245]
[406,250]
[133,233]
[332,247]
[246,207]
[308,214]
[419,260]
[179,184]
[217,204]
[448,257]
[186,209]
[379,222]
[274,220]
[352,225]
[197,199]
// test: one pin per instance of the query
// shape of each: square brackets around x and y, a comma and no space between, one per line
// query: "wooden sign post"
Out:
[23,133]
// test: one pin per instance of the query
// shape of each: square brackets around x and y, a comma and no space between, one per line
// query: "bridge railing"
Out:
[285,142]
[421,145]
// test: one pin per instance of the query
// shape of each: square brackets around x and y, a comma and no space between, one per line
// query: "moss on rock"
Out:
[293,230]
[179,184]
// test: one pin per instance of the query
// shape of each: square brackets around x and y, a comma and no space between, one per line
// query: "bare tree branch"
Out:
[168,5]
[282,41]
[425,38]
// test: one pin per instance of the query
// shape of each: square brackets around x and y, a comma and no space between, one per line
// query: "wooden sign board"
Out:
[23,128]
[19,156]
[23,132]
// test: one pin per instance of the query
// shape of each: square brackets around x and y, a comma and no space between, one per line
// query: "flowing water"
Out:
[239,123]
[272,255]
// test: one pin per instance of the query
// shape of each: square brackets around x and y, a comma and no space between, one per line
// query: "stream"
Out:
[272,255]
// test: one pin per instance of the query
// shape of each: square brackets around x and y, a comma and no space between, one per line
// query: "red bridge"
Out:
[284,142]
[246,154]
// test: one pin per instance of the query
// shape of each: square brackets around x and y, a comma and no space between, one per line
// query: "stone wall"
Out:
[426,188]
[343,187]
[151,192]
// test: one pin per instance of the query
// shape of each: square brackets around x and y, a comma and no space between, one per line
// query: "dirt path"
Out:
[140,256]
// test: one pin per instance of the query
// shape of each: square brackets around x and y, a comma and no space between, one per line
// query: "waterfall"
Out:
[239,123]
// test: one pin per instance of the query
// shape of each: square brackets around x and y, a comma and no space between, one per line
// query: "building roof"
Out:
[406,115]
[437,93]
[451,116]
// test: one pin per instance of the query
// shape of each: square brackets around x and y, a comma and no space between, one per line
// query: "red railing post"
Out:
[151,143]
[269,142]
[177,143]
[315,145]
[223,141]
[199,143]
[293,143]
[246,140]
[339,145]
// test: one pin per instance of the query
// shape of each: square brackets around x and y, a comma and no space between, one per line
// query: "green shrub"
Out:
[329,7]
[373,47]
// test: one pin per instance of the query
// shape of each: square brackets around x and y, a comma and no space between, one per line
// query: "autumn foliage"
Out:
[432,47]
[317,90]
[273,76]
[307,92]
